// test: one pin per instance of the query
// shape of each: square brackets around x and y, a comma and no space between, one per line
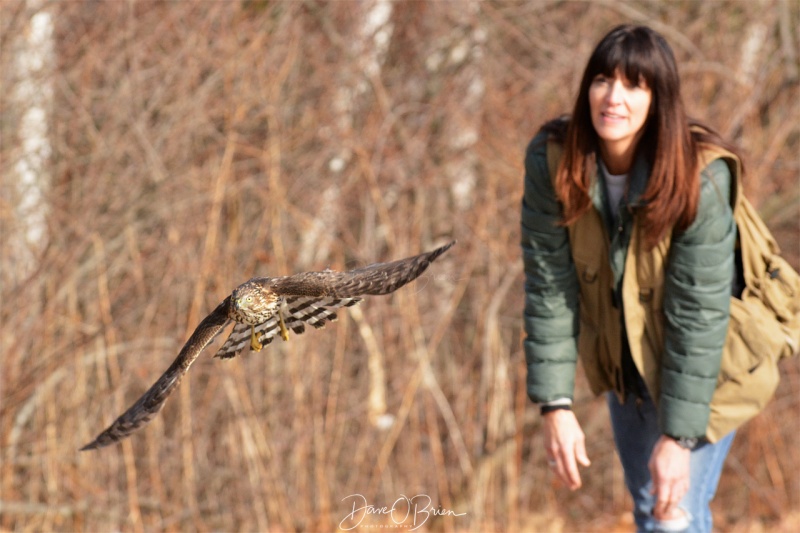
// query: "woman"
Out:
[628,245]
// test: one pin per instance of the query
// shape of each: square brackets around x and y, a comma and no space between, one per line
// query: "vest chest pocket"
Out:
[590,294]
[592,342]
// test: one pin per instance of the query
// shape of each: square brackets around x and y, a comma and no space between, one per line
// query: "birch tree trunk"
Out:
[32,96]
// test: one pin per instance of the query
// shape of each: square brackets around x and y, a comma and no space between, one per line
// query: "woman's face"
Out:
[619,109]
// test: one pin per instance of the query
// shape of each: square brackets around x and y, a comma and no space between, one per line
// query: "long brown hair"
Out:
[670,146]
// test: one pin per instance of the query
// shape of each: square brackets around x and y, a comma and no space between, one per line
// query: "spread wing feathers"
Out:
[296,311]
[153,400]
[379,278]
[308,298]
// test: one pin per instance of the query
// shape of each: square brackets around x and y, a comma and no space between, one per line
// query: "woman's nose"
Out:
[615,92]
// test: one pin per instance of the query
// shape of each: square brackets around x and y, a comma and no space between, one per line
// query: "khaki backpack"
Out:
[765,319]
[764,322]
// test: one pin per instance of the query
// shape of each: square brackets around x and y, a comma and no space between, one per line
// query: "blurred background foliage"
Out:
[156,154]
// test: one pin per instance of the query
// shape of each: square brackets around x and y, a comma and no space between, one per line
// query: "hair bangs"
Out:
[630,53]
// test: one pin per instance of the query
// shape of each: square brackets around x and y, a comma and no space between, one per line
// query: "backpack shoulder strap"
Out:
[754,241]
[710,152]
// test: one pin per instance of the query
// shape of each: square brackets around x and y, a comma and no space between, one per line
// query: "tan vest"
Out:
[745,383]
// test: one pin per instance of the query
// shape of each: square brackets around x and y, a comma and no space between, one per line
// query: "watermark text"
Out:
[405,512]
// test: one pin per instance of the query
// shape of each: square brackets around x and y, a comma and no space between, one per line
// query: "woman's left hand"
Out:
[669,470]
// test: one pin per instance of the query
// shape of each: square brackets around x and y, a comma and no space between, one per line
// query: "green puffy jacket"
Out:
[695,303]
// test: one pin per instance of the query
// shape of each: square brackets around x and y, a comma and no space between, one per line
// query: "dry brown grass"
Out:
[192,148]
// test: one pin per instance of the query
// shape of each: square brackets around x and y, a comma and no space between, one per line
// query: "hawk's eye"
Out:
[249,299]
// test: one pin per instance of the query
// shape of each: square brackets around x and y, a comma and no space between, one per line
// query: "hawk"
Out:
[263,308]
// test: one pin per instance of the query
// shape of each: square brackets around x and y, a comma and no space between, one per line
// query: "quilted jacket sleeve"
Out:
[696,307]
[551,287]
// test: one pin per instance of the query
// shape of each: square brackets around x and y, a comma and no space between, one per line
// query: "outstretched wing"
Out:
[296,312]
[313,297]
[378,278]
[153,400]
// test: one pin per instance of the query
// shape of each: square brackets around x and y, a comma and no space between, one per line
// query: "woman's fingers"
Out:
[566,447]
[669,470]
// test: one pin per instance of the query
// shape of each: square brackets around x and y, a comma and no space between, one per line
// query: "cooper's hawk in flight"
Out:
[262,308]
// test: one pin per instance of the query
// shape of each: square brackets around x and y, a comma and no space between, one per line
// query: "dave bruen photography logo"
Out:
[408,513]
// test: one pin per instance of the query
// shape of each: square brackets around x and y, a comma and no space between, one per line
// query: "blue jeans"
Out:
[635,434]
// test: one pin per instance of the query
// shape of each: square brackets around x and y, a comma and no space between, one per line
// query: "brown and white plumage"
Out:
[263,308]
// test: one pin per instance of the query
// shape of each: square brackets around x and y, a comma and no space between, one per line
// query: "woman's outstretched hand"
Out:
[565,446]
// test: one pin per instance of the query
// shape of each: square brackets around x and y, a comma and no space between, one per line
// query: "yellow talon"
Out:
[284,331]
[254,344]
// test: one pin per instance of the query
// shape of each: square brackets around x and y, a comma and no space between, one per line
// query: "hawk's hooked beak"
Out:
[237,305]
